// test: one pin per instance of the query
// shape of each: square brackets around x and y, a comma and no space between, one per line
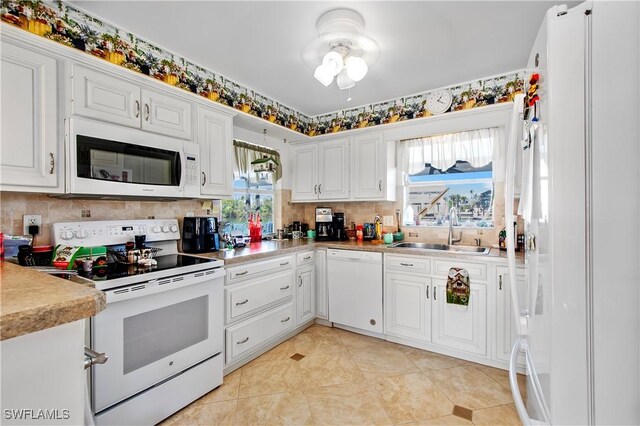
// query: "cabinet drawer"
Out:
[250,296]
[249,334]
[477,271]
[252,269]
[305,258]
[420,265]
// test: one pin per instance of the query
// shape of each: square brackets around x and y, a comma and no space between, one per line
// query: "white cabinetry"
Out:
[322,297]
[505,327]
[408,306]
[215,137]
[460,327]
[104,97]
[373,168]
[321,171]
[31,159]
[305,294]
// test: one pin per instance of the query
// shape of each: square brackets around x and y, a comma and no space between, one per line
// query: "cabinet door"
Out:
[216,153]
[103,97]
[322,296]
[166,114]
[304,185]
[505,321]
[31,157]
[367,166]
[460,327]
[305,295]
[408,306]
[333,175]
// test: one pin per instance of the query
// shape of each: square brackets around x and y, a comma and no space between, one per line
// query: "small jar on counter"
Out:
[359,233]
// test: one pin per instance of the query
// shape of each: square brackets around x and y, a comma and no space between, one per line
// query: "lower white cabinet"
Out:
[253,295]
[322,297]
[408,306]
[505,322]
[243,337]
[305,294]
[460,327]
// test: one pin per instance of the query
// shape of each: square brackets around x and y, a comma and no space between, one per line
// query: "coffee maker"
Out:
[200,235]
[339,232]
[324,224]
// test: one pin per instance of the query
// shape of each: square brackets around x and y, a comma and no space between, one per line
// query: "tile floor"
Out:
[350,379]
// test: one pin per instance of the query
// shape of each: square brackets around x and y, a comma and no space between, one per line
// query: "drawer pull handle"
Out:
[427,292]
[284,288]
[286,319]
[242,303]
[204,178]
[147,112]
[284,263]
[239,274]
[435,292]
[300,280]
[500,284]
[315,189]
[306,258]
[52,163]
[242,341]
[406,264]
[137,108]
[380,185]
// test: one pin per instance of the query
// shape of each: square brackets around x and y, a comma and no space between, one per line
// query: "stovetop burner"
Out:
[166,262]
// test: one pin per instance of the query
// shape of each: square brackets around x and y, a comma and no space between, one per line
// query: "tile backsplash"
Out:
[15,205]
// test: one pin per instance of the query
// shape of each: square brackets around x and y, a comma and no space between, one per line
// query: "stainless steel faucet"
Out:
[453,221]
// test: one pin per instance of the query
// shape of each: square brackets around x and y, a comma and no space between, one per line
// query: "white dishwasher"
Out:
[355,289]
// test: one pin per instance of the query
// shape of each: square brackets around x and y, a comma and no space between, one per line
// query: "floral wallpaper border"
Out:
[65,24]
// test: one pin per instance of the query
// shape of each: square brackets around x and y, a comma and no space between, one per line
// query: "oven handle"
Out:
[92,357]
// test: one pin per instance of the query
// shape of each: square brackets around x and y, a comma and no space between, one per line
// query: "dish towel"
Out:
[458,287]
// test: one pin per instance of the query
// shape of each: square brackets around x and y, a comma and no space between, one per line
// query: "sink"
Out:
[443,247]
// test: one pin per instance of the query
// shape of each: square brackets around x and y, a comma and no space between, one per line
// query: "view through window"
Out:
[249,196]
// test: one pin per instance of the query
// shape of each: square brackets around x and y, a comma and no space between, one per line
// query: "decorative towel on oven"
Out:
[458,288]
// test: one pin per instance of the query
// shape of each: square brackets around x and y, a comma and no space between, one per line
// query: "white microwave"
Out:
[108,161]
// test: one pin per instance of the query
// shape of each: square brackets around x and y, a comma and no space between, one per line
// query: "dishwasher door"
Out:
[355,289]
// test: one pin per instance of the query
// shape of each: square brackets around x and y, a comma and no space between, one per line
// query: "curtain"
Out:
[246,152]
[478,147]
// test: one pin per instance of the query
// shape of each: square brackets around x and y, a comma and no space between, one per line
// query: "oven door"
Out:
[155,330]
[108,160]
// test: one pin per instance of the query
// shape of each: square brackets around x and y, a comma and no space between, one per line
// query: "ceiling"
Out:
[423,44]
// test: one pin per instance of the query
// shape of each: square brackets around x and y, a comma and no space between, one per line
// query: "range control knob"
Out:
[156,229]
[66,235]
[165,228]
[81,233]
[174,228]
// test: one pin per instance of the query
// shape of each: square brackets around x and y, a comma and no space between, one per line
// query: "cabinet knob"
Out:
[380,185]
[427,292]
[435,292]
[52,163]
[320,189]
[147,112]
[500,282]
[137,108]
[315,189]
[300,281]
[204,178]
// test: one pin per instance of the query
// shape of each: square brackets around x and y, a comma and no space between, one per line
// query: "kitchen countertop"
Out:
[272,248]
[32,301]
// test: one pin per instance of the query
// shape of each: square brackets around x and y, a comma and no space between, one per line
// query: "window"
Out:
[252,192]
[449,171]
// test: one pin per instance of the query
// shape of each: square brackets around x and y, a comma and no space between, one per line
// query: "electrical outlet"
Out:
[31,219]
[387,220]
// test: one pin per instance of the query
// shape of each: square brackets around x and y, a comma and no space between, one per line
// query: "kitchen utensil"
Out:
[297,235]
[398,219]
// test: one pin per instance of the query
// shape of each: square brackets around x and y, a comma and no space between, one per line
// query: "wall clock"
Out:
[439,101]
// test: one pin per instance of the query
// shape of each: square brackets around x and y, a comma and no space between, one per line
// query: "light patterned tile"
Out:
[228,390]
[311,343]
[502,378]
[282,352]
[271,377]
[469,387]
[323,369]
[411,397]
[278,409]
[215,413]
[502,415]
[382,361]
[346,404]
[426,360]
[441,421]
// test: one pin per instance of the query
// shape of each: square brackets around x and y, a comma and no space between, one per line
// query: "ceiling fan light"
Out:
[356,68]
[324,75]
[333,61]
[344,82]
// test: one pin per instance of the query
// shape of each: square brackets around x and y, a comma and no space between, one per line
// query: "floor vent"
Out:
[297,357]
[463,412]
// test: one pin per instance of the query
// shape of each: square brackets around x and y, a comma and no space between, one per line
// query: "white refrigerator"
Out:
[578,317]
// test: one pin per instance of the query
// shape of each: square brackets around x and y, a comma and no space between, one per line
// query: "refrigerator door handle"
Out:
[520,345]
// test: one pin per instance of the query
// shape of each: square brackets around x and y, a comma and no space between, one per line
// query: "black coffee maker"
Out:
[200,235]
[339,232]
[324,224]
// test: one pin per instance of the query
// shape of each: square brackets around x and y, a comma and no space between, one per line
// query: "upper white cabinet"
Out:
[215,137]
[320,171]
[31,159]
[103,97]
[373,168]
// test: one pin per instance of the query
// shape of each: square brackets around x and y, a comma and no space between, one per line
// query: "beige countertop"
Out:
[266,249]
[32,301]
